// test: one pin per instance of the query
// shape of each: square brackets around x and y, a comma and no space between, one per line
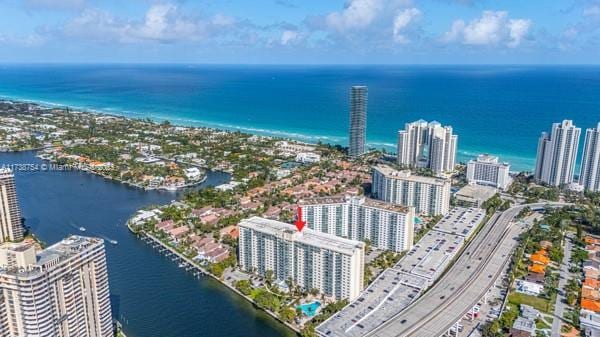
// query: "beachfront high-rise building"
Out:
[312,260]
[386,226]
[486,170]
[358,121]
[427,145]
[556,154]
[61,291]
[589,176]
[428,195]
[11,227]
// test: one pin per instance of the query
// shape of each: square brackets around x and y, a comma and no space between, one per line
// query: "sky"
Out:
[301,31]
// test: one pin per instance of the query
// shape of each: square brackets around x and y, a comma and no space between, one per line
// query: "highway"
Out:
[464,284]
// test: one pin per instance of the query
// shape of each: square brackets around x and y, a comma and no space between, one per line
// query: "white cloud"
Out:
[289,36]
[492,28]
[357,14]
[162,23]
[402,21]
[518,29]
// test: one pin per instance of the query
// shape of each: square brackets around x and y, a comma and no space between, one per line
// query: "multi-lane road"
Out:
[464,284]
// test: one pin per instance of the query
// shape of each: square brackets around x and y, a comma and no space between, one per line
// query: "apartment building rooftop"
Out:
[392,173]
[29,262]
[367,202]
[307,236]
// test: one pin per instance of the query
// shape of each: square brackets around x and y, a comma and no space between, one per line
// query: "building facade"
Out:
[312,260]
[428,195]
[427,145]
[556,154]
[11,228]
[589,176]
[486,170]
[386,226]
[61,291]
[358,121]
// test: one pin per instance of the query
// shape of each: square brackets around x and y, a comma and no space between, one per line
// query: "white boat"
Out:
[114,242]
[82,229]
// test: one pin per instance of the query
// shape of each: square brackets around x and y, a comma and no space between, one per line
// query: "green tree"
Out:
[287,314]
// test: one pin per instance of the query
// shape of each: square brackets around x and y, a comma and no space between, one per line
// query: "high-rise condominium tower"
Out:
[385,225]
[61,291]
[358,121]
[428,195]
[589,177]
[427,145]
[556,154]
[312,260]
[11,228]
[487,170]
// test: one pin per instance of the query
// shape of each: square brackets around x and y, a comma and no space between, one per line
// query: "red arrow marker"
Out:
[299,223]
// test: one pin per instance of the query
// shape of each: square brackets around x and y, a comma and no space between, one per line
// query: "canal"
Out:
[150,295]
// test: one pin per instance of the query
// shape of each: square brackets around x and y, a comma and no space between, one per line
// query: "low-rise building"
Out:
[472,195]
[529,288]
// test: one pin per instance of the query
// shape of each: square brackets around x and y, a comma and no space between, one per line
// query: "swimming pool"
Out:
[418,221]
[310,309]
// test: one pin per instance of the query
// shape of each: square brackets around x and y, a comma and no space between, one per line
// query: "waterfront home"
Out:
[178,233]
[217,255]
[199,242]
[193,173]
[144,216]
[207,248]
[166,225]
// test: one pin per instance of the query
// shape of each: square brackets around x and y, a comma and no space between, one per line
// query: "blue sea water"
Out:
[494,109]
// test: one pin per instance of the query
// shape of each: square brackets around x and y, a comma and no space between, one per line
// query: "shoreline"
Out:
[524,164]
[128,183]
[204,272]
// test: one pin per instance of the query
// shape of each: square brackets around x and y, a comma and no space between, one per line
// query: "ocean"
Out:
[494,109]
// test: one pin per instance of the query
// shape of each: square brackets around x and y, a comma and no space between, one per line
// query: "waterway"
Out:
[150,295]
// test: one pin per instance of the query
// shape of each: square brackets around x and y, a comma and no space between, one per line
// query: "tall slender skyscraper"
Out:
[358,121]
[427,145]
[557,151]
[11,228]
[61,291]
[589,177]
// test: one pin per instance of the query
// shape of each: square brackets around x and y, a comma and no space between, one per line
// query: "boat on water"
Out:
[114,242]
[82,229]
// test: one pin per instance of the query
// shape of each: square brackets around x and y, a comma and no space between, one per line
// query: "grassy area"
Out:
[541,325]
[536,302]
